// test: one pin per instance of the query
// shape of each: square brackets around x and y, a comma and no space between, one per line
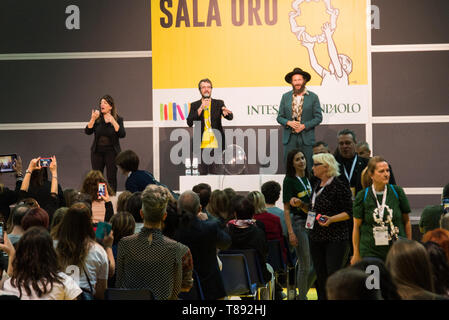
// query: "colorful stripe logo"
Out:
[173,111]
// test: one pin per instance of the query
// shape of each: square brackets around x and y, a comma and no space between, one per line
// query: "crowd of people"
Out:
[344,219]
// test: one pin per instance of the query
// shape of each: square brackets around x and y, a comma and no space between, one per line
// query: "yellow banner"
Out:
[254,43]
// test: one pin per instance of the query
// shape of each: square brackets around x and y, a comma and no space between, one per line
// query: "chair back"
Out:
[235,274]
[275,258]
[128,294]
[254,266]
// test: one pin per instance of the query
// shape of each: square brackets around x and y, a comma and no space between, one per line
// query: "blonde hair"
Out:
[329,160]
[258,201]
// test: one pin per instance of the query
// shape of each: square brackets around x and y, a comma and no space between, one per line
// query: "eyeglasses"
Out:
[317,164]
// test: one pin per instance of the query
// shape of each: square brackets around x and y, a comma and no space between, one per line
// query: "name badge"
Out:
[380,236]
[310,220]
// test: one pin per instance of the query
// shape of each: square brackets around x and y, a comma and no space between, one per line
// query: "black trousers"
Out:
[327,258]
[106,158]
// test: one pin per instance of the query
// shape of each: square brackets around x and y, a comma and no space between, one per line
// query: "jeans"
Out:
[327,257]
[305,275]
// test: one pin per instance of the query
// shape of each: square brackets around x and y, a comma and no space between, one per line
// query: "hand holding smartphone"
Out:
[101,189]
[2,232]
[45,162]
[320,218]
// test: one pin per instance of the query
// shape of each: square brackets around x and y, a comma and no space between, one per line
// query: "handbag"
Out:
[86,294]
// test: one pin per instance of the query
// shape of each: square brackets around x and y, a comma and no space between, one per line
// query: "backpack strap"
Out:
[366,193]
[394,190]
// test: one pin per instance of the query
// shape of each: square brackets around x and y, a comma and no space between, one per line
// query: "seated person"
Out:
[431,215]
[149,259]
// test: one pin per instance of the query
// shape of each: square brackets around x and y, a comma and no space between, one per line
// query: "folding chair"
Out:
[235,275]
[196,293]
[255,269]
[276,260]
[128,294]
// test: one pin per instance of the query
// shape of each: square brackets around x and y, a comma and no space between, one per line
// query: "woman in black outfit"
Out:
[108,128]
[329,237]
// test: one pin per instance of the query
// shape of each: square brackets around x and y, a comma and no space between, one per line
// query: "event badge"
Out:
[310,220]
[380,235]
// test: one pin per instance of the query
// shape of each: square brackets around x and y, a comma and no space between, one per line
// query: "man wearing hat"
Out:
[299,114]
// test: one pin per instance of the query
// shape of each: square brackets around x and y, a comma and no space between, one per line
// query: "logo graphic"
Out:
[173,111]
[340,65]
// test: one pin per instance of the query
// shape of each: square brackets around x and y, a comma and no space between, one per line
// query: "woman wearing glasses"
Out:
[328,220]
[296,192]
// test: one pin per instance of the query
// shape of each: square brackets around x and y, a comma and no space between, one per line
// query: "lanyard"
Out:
[384,200]
[352,169]
[316,194]
[307,188]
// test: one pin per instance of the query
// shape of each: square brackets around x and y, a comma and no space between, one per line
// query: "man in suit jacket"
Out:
[299,114]
[208,111]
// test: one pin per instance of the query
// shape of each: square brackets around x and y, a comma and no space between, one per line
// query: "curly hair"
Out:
[154,202]
[35,265]
[90,184]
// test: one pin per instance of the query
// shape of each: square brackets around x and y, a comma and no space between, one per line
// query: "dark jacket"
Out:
[204,238]
[7,198]
[215,117]
[102,128]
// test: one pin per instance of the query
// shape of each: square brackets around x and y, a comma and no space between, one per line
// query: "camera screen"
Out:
[45,162]
[7,162]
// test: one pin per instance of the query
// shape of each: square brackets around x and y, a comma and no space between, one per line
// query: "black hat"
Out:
[289,75]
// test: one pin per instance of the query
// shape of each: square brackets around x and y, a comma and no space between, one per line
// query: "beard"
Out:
[205,96]
[300,90]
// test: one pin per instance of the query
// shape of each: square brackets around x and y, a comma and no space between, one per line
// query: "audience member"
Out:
[431,215]
[34,269]
[440,267]
[409,265]
[122,200]
[218,207]
[149,259]
[272,223]
[296,195]
[388,289]
[246,234]
[204,191]
[441,237]
[68,196]
[102,209]
[203,238]
[16,230]
[330,235]
[363,150]
[137,180]
[57,218]
[123,225]
[350,284]
[171,222]
[320,147]
[35,184]
[230,194]
[271,190]
[381,214]
[76,246]
[134,206]
[36,217]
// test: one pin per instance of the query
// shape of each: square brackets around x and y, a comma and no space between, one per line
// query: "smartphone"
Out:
[321,219]
[7,162]
[103,229]
[101,189]
[45,162]
[1,232]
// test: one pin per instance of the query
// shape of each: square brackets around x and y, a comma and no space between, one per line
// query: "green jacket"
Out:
[311,116]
